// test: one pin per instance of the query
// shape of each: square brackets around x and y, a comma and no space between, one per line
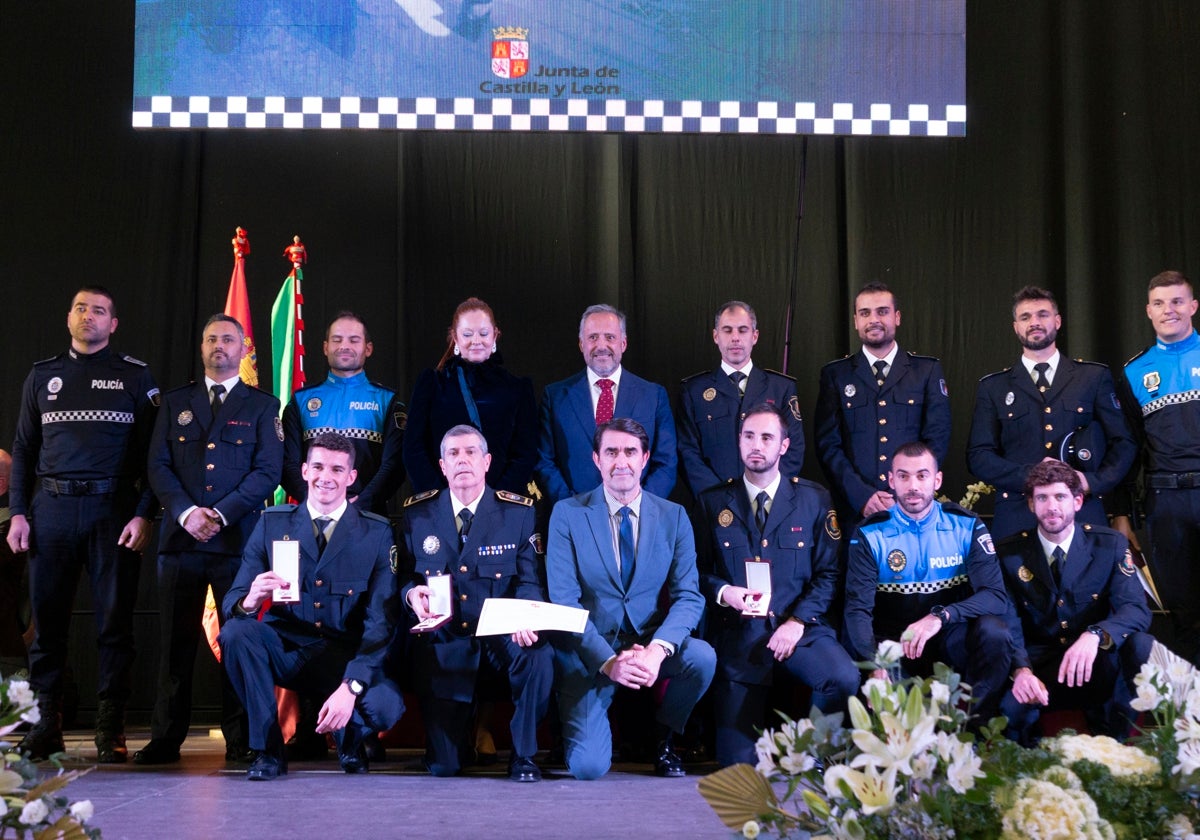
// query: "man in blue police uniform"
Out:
[84,427]
[368,414]
[786,529]
[573,408]
[1047,406]
[873,401]
[612,552]
[328,641]
[1164,408]
[1077,615]
[216,455]
[485,541]
[925,574]
[712,404]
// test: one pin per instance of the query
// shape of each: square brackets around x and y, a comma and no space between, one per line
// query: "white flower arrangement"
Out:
[1046,809]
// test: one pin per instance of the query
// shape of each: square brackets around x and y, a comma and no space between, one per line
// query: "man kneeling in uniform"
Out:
[485,541]
[1077,615]
[329,638]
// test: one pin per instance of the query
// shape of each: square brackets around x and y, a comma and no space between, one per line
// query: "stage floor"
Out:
[203,797]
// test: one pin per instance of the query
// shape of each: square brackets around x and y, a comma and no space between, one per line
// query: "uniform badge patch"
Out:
[1009,398]
[985,541]
[1126,565]
[1116,402]
[942,385]
[431,545]
[539,545]
[850,390]
[725,518]
[401,419]
[896,560]
[1152,380]
[313,404]
[185,417]
[831,526]
[1083,454]
[279,429]
[54,385]
[709,394]
[1024,574]
[155,397]
[394,560]
[794,406]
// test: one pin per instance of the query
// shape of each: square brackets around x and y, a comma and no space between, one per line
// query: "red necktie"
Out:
[606,403]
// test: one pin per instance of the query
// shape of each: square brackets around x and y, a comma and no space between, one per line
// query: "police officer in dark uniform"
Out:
[1163,382]
[328,639]
[485,541]
[712,402]
[872,402]
[82,434]
[1047,406]
[785,529]
[217,454]
[1076,613]
[367,413]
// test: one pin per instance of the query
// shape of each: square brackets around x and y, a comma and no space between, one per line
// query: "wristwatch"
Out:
[941,613]
[356,687]
[1098,631]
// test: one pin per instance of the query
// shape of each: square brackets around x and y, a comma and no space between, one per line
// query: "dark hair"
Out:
[471,304]
[736,304]
[1032,293]
[877,287]
[222,318]
[1045,473]
[346,314]
[333,442]
[914,449]
[767,408]
[1168,278]
[93,289]
[621,424]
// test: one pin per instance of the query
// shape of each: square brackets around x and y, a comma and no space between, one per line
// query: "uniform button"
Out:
[882,421]
[349,591]
[770,614]
[801,545]
[1061,602]
[1047,409]
[1004,495]
[212,446]
[317,604]
[882,403]
[912,402]
[316,624]
[1049,428]
[1062,640]
[883,439]
[882,457]
[764,543]
[726,544]
[1063,625]
[462,597]
[462,569]
[757,558]
[1049,444]
[499,575]
[320,582]
[882,477]
[1079,410]
[182,439]
[239,441]
[465,625]
[211,467]
[208,488]
[1095,596]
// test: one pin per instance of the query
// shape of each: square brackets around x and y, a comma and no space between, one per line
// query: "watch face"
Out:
[356,688]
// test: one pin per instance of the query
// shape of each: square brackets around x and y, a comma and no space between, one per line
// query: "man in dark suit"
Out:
[712,401]
[871,403]
[612,551]
[485,540]
[1023,413]
[216,455]
[788,530]
[574,407]
[1076,613]
[330,638]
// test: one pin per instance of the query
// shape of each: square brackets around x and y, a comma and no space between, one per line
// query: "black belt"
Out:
[1174,481]
[71,487]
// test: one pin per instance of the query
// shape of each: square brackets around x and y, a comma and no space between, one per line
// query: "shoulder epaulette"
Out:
[387,388]
[913,355]
[958,510]
[186,387]
[694,376]
[994,373]
[1012,539]
[420,497]
[51,359]
[877,517]
[1094,364]
[132,360]
[795,479]
[285,508]
[366,514]
[1139,354]
[835,361]
[777,373]
[514,498]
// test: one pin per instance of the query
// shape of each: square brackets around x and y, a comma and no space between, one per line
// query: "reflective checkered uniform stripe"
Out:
[923,587]
[352,434]
[87,417]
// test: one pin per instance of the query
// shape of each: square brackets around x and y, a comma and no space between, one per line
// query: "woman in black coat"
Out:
[470,385]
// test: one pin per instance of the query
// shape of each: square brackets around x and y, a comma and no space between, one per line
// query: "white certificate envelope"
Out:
[502,616]
[285,562]
[441,604]
[758,578]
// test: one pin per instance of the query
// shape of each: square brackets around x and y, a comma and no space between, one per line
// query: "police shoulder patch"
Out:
[794,407]
[279,429]
[420,497]
[985,541]
[1126,564]
[394,560]
[514,498]
[401,420]
[539,545]
[831,525]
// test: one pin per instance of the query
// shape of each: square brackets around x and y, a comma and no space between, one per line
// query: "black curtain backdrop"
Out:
[1079,172]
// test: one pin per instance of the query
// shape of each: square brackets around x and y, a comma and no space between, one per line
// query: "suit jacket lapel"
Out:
[201,410]
[1078,558]
[1037,562]
[647,533]
[627,396]
[781,508]
[342,540]
[485,512]
[580,398]
[900,366]
[598,519]
[1021,381]
[724,384]
[301,528]
[863,373]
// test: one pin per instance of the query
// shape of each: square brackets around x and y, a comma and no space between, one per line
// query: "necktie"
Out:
[1043,384]
[321,523]
[737,378]
[625,541]
[606,403]
[879,374]
[760,511]
[1056,568]
[464,518]
[214,397]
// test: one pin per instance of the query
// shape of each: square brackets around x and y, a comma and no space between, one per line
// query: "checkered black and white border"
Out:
[506,114]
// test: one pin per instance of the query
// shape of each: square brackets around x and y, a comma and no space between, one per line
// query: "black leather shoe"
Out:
[668,763]
[157,751]
[239,754]
[356,762]
[374,748]
[266,767]
[524,770]
[41,743]
[110,748]
[352,755]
